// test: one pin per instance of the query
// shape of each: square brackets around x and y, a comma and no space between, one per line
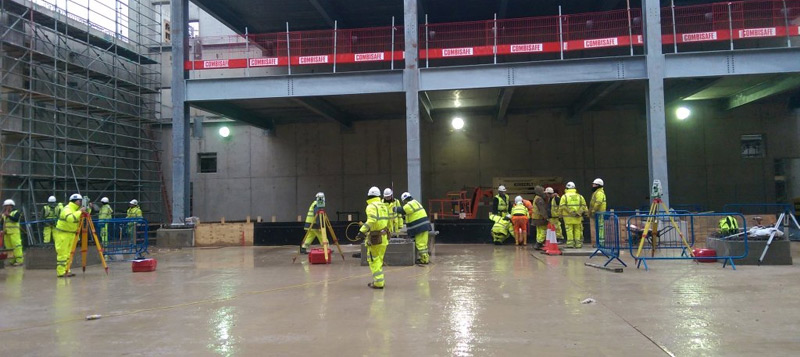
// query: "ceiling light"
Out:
[682,113]
[457,123]
[224,131]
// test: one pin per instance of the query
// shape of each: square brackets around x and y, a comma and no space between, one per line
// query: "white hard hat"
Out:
[75,196]
[549,190]
[320,195]
[508,216]
[51,199]
[405,196]
[570,184]
[598,181]
[501,188]
[387,192]
[104,200]
[518,199]
[9,203]
[374,192]
[134,202]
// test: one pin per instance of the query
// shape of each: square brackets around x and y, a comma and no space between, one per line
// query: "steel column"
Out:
[180,112]
[656,119]
[411,87]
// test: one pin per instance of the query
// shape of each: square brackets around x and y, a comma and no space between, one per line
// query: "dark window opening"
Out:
[207,162]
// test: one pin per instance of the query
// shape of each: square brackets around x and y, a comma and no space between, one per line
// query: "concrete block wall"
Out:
[261,175]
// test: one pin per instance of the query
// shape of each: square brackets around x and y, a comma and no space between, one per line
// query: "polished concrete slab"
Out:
[475,300]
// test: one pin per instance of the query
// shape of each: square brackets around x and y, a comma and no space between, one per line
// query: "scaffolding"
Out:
[80,96]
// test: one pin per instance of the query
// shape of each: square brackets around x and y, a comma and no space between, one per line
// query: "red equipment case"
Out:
[143,265]
[700,253]
[317,256]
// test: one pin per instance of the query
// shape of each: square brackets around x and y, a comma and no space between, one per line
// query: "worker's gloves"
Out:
[398,210]
[361,235]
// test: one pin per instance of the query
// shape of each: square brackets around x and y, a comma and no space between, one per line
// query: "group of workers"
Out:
[386,215]
[511,219]
[60,225]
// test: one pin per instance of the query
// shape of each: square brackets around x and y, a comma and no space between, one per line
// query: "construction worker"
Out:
[500,204]
[553,200]
[134,211]
[316,233]
[540,216]
[572,209]
[375,234]
[12,239]
[50,213]
[418,225]
[520,216]
[395,219]
[106,212]
[597,205]
[66,227]
[502,228]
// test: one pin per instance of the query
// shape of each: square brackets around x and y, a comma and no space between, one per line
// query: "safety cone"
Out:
[551,248]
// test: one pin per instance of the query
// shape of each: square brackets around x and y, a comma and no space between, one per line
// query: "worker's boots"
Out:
[303,250]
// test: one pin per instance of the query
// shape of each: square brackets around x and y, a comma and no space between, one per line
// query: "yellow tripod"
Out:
[321,218]
[652,223]
[85,226]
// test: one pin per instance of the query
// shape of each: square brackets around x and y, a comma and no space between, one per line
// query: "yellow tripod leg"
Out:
[323,235]
[97,245]
[646,229]
[84,242]
[333,236]
[677,228]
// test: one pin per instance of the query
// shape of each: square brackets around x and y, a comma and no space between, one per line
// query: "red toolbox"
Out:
[317,256]
[143,265]
[700,253]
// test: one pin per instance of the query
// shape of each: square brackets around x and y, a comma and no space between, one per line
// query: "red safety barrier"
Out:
[550,34]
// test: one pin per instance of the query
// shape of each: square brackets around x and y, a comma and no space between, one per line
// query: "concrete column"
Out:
[179,19]
[656,119]
[411,86]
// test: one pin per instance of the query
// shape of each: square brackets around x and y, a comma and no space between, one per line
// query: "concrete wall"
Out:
[261,175]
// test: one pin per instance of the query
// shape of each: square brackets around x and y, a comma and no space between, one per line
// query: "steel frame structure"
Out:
[78,102]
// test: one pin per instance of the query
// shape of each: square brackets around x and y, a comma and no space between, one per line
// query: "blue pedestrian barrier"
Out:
[607,232]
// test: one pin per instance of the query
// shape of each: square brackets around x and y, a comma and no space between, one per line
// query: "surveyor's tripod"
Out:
[85,227]
[324,224]
[651,225]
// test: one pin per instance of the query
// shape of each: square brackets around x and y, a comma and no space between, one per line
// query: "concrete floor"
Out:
[476,300]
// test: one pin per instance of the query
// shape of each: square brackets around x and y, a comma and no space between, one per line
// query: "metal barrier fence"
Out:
[118,236]
[673,241]
[607,227]
[729,25]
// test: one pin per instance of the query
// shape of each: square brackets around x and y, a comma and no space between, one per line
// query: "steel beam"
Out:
[763,90]
[592,95]
[411,86]
[427,107]
[312,85]
[327,11]
[326,110]
[727,63]
[180,112]
[233,112]
[656,118]
[533,73]
[503,100]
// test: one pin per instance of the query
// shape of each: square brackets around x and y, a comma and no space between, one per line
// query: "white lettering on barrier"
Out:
[454,52]
[528,47]
[215,64]
[639,39]
[263,62]
[699,36]
[601,42]
[313,59]
[367,57]
[759,32]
